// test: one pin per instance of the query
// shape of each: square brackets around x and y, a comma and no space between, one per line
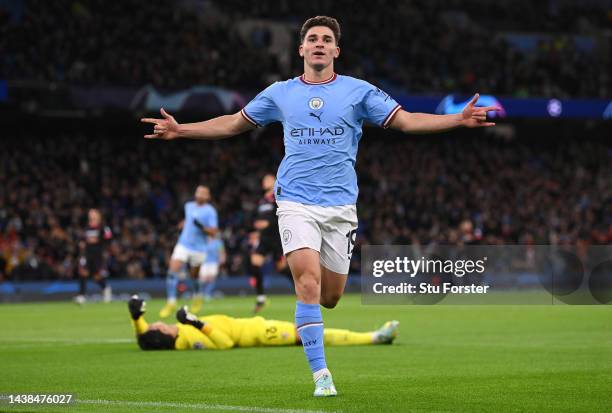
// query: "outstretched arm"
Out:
[218,340]
[218,128]
[471,117]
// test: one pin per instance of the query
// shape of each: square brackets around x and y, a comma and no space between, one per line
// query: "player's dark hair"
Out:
[326,21]
[156,340]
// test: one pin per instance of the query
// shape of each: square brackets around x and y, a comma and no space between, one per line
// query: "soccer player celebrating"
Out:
[266,224]
[91,263]
[221,332]
[316,189]
[199,224]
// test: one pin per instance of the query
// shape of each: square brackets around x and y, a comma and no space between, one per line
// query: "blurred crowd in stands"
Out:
[517,48]
[413,190]
[443,190]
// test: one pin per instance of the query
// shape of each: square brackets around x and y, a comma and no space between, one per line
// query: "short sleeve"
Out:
[378,107]
[212,220]
[262,110]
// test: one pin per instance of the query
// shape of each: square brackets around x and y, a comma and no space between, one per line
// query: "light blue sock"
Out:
[209,289]
[309,323]
[171,283]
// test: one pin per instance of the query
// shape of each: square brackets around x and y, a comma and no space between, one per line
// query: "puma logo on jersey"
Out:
[314,115]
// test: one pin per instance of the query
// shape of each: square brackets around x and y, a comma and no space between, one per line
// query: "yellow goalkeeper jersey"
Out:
[222,332]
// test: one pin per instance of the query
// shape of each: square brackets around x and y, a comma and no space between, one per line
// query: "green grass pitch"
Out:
[447,359]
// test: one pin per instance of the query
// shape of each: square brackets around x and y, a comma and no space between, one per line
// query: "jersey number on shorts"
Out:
[351,235]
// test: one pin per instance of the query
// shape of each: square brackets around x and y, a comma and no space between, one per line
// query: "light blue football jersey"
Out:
[215,247]
[193,237]
[322,124]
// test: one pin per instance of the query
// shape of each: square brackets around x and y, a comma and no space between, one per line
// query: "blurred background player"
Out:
[221,332]
[207,276]
[199,224]
[267,242]
[91,263]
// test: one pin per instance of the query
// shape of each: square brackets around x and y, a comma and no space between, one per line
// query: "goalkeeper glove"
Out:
[185,317]
[137,307]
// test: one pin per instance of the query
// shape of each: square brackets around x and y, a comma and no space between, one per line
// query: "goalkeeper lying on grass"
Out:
[220,332]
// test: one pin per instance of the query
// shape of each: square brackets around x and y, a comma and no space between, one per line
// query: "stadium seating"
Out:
[419,46]
[412,190]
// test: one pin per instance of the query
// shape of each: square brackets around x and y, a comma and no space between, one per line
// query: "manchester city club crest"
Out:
[315,103]
[286,236]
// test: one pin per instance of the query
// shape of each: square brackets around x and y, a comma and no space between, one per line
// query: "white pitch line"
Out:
[199,406]
[66,340]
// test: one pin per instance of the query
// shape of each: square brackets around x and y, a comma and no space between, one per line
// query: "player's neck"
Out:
[317,76]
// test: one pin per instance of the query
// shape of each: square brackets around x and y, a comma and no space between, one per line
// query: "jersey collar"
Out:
[322,82]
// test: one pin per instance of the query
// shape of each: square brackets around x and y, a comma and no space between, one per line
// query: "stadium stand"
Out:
[412,190]
[542,187]
[517,48]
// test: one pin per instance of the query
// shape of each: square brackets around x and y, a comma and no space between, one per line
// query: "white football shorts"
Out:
[329,230]
[209,270]
[191,257]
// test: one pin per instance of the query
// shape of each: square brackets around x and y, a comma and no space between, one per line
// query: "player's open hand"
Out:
[166,128]
[476,117]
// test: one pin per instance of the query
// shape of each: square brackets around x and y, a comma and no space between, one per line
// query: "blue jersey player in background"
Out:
[322,115]
[200,223]
[215,257]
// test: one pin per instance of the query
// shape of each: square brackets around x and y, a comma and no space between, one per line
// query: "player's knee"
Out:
[308,284]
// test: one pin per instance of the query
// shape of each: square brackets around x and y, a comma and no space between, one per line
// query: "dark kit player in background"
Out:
[268,242]
[91,263]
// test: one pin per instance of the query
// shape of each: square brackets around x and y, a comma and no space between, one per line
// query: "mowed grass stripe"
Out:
[200,406]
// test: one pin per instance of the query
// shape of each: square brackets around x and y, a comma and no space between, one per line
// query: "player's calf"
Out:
[332,287]
[330,300]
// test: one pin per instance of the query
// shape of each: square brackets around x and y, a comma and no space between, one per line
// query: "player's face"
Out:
[267,182]
[164,328]
[319,48]
[202,194]
[94,217]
